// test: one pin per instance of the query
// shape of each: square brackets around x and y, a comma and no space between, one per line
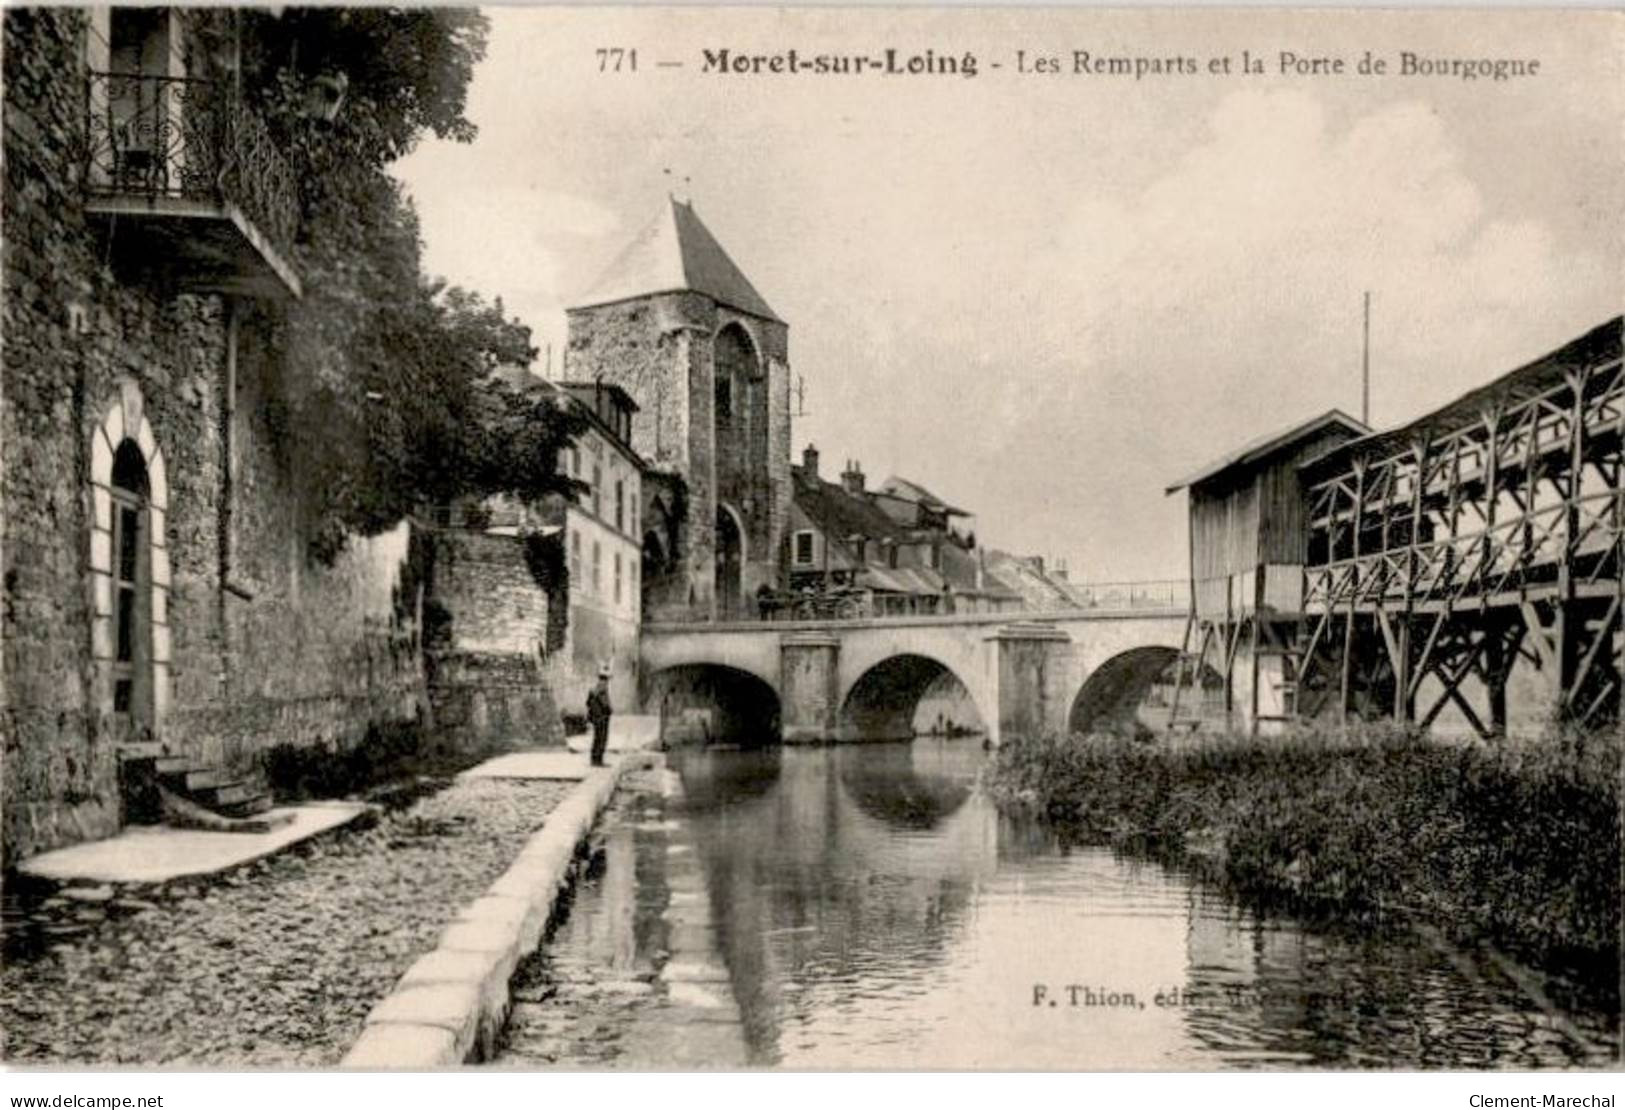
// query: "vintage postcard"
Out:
[641,538]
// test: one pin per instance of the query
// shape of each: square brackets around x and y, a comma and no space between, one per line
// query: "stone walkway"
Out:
[274,964]
[158,853]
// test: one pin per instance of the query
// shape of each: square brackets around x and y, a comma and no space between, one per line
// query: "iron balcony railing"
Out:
[186,138]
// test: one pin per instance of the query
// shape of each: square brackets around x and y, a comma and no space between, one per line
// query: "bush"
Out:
[1513,842]
[329,771]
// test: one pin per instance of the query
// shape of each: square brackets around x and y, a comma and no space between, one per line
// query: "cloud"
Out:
[1048,305]
[1155,329]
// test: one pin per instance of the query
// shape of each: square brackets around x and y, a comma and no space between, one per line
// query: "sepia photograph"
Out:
[694,539]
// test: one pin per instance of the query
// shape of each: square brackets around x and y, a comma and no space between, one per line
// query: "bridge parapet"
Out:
[950,620]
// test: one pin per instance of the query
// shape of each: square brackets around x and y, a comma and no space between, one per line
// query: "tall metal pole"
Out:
[1365,364]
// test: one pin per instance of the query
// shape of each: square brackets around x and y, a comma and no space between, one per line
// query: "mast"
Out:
[1365,364]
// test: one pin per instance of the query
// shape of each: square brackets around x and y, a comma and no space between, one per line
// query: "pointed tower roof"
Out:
[676,253]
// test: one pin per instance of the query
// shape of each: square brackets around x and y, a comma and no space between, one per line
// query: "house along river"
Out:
[866,906]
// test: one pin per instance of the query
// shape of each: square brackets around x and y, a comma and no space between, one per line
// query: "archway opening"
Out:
[706,703]
[653,571]
[1131,694]
[907,696]
[730,564]
[736,381]
[132,596]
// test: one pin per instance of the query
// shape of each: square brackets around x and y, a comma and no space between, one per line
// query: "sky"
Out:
[1047,296]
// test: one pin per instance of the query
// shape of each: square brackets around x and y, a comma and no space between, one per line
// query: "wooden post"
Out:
[1404,704]
[1492,494]
[1354,591]
[1181,665]
[1229,646]
[1497,664]
[1570,625]
[1252,718]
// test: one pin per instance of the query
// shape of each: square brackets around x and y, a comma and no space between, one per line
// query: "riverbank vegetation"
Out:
[1514,844]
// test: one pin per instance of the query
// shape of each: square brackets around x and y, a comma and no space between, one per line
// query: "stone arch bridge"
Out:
[862,679]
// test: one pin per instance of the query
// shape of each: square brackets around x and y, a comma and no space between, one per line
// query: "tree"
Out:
[391,403]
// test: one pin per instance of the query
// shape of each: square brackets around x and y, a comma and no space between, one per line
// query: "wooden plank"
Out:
[1179,674]
[1423,662]
[1388,640]
[1538,635]
[1604,636]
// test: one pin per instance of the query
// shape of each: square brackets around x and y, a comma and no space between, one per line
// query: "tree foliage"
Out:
[391,397]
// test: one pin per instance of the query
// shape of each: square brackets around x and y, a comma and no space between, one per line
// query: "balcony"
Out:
[189,185]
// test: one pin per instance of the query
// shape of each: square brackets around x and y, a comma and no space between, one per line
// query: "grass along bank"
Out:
[1513,844]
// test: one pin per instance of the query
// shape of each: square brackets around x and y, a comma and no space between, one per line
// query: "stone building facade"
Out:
[676,324]
[604,554]
[596,620]
[158,594]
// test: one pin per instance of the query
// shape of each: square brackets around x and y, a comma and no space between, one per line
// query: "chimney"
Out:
[809,462]
[852,477]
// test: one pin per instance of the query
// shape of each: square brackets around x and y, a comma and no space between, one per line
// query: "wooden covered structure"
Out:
[1248,539]
[1484,533]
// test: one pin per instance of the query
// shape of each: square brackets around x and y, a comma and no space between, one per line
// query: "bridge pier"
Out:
[809,687]
[1030,669]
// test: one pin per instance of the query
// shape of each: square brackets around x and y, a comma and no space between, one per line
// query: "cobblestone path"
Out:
[275,964]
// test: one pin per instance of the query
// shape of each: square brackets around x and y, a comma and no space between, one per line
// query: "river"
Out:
[867,906]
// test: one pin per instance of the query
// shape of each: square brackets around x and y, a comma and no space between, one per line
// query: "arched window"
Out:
[129,573]
[730,556]
[737,370]
[725,403]
[132,635]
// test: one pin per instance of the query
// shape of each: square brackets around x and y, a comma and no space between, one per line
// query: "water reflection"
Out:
[909,786]
[875,910]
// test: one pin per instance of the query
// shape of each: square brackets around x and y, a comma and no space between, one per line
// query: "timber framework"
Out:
[1478,548]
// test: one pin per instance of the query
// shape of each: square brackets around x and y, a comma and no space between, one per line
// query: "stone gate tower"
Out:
[676,324]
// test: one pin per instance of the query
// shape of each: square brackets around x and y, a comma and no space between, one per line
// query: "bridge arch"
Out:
[1113,693]
[882,702]
[714,703]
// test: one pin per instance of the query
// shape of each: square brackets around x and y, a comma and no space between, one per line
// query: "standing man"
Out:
[598,712]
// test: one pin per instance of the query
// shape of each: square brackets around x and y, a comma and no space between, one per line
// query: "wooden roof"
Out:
[1255,452]
[1596,347]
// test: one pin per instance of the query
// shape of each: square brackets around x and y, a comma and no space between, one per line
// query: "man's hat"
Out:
[603,672]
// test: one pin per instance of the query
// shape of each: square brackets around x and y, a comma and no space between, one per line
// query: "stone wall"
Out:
[661,350]
[256,644]
[491,602]
[487,687]
[490,701]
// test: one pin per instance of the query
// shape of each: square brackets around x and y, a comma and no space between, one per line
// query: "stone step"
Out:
[176,765]
[140,749]
[247,807]
[211,788]
[226,792]
[205,780]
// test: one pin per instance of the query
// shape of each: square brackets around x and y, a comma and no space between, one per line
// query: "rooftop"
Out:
[1262,448]
[619,395]
[906,490]
[1600,345]
[676,253]
[839,514]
